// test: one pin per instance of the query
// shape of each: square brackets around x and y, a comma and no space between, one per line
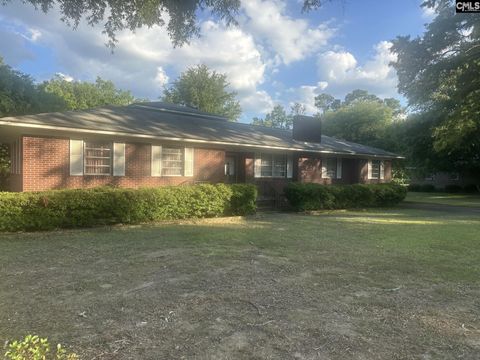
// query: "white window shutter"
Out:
[76,157]
[156,160]
[339,168]
[382,170]
[118,159]
[324,168]
[188,163]
[258,166]
[369,168]
[289,166]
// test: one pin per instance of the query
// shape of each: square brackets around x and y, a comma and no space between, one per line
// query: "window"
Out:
[430,177]
[455,176]
[172,161]
[97,158]
[330,168]
[375,169]
[16,157]
[279,166]
[272,165]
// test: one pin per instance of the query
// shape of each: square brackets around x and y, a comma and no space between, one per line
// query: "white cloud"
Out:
[34,35]
[162,78]
[305,95]
[286,38]
[428,12]
[343,73]
[227,50]
[13,48]
[65,77]
[257,102]
[145,60]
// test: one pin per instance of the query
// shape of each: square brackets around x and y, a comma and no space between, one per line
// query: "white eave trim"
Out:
[187,140]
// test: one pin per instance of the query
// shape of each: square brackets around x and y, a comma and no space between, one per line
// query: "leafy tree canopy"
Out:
[205,90]
[278,117]
[78,95]
[439,73]
[365,122]
[19,94]
[326,102]
[362,117]
[179,17]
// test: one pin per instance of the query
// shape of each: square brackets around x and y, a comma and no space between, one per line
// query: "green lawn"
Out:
[470,200]
[380,284]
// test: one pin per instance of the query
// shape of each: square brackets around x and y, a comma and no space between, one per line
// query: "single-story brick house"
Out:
[156,144]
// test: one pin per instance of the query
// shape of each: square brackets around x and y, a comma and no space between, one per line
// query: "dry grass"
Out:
[386,284]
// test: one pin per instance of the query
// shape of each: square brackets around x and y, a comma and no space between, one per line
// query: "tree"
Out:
[326,102]
[439,73]
[205,90]
[397,108]
[362,117]
[79,95]
[365,122]
[360,95]
[19,94]
[277,118]
[179,17]
[298,109]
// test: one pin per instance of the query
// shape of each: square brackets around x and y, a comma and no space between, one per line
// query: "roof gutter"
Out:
[188,140]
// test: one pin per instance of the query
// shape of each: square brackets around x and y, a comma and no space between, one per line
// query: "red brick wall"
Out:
[249,168]
[310,171]
[46,166]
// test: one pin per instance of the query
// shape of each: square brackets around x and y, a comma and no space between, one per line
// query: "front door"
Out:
[231,169]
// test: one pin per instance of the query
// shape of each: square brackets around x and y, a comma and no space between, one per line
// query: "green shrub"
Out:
[316,197]
[453,189]
[108,205]
[35,348]
[243,200]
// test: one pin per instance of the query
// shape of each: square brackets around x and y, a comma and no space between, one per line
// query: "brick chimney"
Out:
[307,129]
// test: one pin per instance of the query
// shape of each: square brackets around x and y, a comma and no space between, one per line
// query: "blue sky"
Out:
[275,55]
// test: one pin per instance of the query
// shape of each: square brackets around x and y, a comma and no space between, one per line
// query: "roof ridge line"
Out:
[201,114]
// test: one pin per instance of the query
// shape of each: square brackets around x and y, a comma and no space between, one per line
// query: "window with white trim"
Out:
[16,157]
[172,161]
[453,176]
[375,172]
[330,168]
[273,165]
[97,158]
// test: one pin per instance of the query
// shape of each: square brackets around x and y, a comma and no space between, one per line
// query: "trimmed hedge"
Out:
[316,197]
[107,205]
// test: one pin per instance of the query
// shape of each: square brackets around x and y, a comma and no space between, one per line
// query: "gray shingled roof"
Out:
[173,121]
